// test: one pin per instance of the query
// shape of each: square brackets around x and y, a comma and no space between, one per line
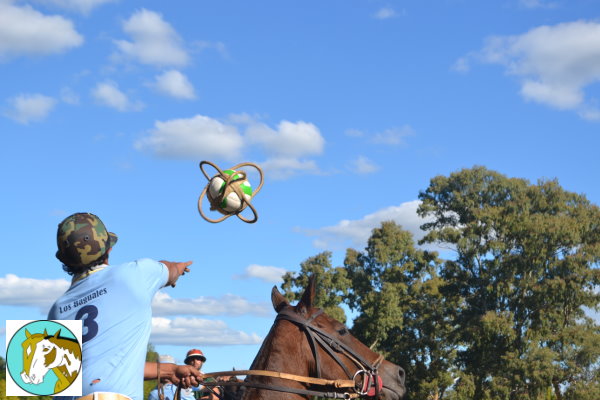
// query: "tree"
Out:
[401,313]
[393,288]
[525,266]
[151,356]
[331,284]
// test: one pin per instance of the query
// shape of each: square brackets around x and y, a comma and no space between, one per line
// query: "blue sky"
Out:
[350,107]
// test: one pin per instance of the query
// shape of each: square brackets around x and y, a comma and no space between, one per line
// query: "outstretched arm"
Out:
[176,269]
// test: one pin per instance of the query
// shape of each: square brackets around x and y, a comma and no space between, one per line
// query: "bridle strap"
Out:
[255,385]
[331,343]
[337,383]
[333,354]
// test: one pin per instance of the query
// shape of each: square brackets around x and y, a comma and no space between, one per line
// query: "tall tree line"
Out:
[502,314]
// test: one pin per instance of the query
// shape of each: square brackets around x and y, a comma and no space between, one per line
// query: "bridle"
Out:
[365,381]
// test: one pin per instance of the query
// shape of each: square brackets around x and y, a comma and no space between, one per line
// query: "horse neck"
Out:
[285,349]
[69,356]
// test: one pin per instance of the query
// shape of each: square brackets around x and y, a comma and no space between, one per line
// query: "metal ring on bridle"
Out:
[358,373]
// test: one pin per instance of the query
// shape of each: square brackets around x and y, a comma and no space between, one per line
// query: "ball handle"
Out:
[240,195]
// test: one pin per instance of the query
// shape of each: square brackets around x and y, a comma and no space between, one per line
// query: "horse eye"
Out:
[343,331]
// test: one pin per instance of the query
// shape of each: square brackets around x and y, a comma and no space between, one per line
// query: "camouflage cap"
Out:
[82,239]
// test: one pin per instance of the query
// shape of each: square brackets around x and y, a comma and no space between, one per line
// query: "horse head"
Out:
[39,354]
[305,341]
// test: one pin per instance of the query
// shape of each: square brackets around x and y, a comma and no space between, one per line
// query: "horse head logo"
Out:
[43,352]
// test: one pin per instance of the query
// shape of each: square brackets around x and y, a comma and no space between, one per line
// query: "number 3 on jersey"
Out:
[88,315]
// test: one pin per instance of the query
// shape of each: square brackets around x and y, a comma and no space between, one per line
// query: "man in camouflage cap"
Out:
[114,305]
[83,242]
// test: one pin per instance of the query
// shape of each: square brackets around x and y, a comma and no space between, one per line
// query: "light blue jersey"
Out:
[114,304]
[169,392]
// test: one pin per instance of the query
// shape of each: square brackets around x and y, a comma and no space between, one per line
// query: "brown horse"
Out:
[306,342]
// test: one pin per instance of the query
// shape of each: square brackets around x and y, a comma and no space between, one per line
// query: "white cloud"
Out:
[554,63]
[461,65]
[69,96]
[25,31]
[287,146]
[82,6]
[218,46]
[154,42]
[393,136]
[205,137]
[357,232]
[228,304]
[243,119]
[590,113]
[109,94]
[193,332]
[289,140]
[280,168]
[389,137]
[385,13]
[362,165]
[26,108]
[175,84]
[537,4]
[354,133]
[262,272]
[198,137]
[29,292]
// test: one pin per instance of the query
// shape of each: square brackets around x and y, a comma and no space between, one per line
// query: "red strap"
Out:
[369,385]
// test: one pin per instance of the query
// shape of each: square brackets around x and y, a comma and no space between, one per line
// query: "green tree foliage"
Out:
[523,271]
[401,313]
[332,284]
[395,291]
[502,317]
[151,356]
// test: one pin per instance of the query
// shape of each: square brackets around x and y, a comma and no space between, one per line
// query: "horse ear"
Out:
[306,302]
[56,334]
[278,300]
[45,333]
[27,334]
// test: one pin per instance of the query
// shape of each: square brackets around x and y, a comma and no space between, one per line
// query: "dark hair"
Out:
[80,270]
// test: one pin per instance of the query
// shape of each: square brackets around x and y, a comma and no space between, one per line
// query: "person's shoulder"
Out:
[143,273]
[136,266]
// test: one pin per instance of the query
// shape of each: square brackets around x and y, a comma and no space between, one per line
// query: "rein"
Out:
[371,383]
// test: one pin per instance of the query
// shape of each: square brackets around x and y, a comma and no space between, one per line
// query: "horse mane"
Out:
[69,344]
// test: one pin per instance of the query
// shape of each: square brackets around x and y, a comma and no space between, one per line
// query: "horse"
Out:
[306,348]
[43,352]
[232,392]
